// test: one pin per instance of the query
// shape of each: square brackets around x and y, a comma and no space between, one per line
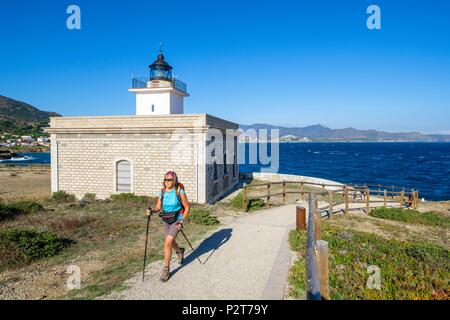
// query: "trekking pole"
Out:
[145,252]
[182,232]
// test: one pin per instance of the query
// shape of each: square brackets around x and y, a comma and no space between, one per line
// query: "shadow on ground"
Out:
[210,244]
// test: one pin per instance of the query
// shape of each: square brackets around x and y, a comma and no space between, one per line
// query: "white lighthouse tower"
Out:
[162,93]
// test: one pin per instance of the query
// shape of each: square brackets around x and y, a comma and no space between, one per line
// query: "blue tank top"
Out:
[171,203]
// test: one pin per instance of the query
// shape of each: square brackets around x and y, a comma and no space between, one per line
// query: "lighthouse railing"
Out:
[141,82]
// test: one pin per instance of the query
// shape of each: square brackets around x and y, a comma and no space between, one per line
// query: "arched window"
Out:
[123,176]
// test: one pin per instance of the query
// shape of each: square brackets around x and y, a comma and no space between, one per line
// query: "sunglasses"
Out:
[168,179]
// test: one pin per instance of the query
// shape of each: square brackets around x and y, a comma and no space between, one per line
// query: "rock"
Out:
[346,235]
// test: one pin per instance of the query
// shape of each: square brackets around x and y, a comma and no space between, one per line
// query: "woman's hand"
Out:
[148,211]
[180,224]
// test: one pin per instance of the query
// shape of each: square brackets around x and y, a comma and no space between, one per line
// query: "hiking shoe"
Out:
[165,274]
[180,255]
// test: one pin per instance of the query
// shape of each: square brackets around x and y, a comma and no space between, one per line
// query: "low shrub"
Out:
[11,210]
[27,206]
[89,197]
[22,246]
[409,270]
[411,216]
[237,201]
[7,212]
[254,204]
[130,197]
[63,197]
[202,216]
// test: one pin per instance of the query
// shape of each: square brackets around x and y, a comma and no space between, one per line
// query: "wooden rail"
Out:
[24,167]
[316,265]
[347,194]
[317,254]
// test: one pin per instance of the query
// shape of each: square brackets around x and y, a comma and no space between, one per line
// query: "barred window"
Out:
[215,170]
[123,174]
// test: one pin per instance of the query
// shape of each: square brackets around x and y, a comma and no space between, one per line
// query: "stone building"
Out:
[114,154]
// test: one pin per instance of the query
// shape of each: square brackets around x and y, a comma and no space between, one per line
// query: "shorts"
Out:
[170,229]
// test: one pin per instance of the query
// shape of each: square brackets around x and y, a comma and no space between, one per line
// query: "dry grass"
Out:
[24,185]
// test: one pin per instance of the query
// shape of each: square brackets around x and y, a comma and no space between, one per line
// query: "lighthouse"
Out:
[161,94]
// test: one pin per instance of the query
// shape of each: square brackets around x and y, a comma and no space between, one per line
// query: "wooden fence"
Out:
[316,265]
[24,167]
[337,194]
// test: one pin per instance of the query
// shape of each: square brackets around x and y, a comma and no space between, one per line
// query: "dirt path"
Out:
[247,258]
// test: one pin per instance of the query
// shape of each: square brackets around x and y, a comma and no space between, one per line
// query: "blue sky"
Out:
[291,63]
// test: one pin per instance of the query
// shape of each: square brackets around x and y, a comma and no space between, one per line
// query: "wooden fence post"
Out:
[317,223]
[346,198]
[384,198]
[300,217]
[402,195]
[417,199]
[330,204]
[367,200]
[323,268]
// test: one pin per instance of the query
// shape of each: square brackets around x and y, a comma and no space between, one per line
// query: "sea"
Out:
[420,166]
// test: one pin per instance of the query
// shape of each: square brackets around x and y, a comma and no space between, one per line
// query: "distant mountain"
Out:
[20,118]
[321,133]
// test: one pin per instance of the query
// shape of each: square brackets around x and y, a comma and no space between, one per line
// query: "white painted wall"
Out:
[145,100]
[176,104]
[164,103]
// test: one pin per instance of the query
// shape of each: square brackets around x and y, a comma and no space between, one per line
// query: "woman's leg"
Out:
[175,245]
[168,241]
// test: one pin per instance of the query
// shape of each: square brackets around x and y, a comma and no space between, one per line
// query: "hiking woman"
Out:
[174,204]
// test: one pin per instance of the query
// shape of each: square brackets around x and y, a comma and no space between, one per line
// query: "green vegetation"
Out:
[108,237]
[23,128]
[131,198]
[409,270]
[27,206]
[202,216]
[411,216]
[62,197]
[18,247]
[11,210]
[253,204]
[89,197]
